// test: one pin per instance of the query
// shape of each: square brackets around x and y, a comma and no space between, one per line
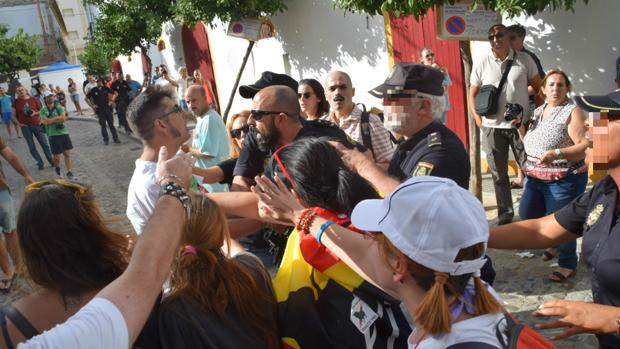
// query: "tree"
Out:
[418,8]
[19,52]
[95,59]
[192,11]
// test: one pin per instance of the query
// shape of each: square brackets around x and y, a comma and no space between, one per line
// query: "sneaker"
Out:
[69,175]
[106,142]
[58,171]
[117,141]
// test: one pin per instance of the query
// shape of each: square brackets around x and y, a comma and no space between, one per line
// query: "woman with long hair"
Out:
[426,249]
[68,253]
[317,293]
[217,300]
[312,99]
[238,128]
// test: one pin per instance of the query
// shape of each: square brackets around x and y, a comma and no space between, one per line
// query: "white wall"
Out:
[584,44]
[59,78]
[312,39]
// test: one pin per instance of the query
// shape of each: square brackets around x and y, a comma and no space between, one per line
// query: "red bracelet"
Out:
[302,218]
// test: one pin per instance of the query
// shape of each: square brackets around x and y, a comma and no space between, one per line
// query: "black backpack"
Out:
[365,130]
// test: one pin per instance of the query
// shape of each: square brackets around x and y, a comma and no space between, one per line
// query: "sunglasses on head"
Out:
[499,35]
[259,114]
[238,132]
[305,95]
[42,184]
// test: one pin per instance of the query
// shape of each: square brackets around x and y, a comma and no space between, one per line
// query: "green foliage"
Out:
[96,60]
[192,11]
[19,52]
[418,8]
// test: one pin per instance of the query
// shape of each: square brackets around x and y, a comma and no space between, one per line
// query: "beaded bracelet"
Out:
[302,218]
[322,229]
[305,225]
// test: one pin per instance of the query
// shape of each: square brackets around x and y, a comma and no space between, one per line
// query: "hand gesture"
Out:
[353,158]
[275,202]
[578,317]
[548,158]
[177,168]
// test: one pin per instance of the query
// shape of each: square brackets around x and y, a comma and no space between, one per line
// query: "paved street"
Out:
[522,282]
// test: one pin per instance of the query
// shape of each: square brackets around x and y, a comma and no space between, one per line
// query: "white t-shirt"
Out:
[99,324]
[477,329]
[142,194]
[182,87]
[89,86]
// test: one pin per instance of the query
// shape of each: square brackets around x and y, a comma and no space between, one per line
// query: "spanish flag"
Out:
[322,303]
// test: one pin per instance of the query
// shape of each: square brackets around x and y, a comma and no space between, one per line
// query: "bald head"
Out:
[196,99]
[278,98]
[339,75]
[339,92]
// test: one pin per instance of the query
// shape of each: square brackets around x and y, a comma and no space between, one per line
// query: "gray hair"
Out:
[438,103]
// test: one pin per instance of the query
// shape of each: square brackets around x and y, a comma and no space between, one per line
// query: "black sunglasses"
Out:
[259,114]
[237,132]
[306,95]
[175,109]
[499,35]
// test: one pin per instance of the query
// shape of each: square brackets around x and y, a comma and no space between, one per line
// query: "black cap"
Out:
[411,76]
[267,79]
[609,103]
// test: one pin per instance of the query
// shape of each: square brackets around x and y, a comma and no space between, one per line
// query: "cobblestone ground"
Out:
[522,282]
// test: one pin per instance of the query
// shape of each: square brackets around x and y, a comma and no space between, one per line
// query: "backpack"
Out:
[515,336]
[365,130]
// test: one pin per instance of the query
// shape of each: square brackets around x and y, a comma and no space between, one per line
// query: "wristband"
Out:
[322,229]
[175,190]
[558,153]
[172,176]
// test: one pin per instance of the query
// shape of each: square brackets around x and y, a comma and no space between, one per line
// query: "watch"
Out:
[558,153]
[177,191]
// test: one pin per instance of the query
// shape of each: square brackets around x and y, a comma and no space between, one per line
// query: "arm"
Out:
[135,291]
[14,117]
[238,204]
[366,168]
[240,227]
[172,82]
[579,317]
[471,101]
[213,174]
[532,233]
[533,88]
[12,159]
[241,183]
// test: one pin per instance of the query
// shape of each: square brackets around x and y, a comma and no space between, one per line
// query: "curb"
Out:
[93,119]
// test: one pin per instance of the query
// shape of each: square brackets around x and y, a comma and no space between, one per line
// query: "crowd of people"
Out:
[309,221]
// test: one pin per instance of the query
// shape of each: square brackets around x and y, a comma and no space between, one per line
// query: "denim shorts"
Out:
[7,212]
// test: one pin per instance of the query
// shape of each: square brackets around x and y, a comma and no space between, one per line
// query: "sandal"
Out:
[557,276]
[6,284]
[516,185]
[550,254]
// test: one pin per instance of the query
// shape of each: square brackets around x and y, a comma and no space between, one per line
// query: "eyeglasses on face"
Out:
[259,114]
[498,35]
[238,132]
[175,109]
[42,184]
[429,55]
[305,95]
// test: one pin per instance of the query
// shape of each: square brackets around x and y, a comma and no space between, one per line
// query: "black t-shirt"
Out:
[433,151]
[182,324]
[122,88]
[100,95]
[592,216]
[252,161]
[228,166]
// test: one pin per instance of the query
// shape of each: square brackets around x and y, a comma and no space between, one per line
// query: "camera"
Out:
[60,126]
[513,111]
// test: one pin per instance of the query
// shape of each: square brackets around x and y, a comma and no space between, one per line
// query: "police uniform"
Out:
[593,217]
[433,151]
[100,96]
[122,88]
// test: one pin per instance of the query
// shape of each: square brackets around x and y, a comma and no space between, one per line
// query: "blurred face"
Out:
[428,57]
[555,88]
[196,102]
[240,126]
[49,99]
[99,83]
[398,112]
[499,40]
[21,92]
[2,93]
[308,101]
[197,74]
[128,77]
[339,92]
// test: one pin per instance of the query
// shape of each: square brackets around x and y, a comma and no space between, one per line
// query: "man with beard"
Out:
[361,126]
[159,121]
[210,143]
[276,116]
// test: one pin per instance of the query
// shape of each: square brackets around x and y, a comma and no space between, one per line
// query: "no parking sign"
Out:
[458,22]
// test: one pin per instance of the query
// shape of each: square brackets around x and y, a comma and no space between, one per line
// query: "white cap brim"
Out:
[368,214]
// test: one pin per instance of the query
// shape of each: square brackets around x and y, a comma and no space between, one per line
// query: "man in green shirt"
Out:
[53,116]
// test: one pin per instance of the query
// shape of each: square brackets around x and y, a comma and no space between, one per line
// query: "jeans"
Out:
[105,116]
[30,132]
[541,198]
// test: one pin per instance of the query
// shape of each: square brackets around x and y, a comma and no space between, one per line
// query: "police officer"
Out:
[594,216]
[100,100]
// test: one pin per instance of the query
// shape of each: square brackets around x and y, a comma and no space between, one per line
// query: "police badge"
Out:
[593,217]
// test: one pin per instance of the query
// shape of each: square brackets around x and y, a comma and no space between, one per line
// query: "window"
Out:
[67,12]
[72,35]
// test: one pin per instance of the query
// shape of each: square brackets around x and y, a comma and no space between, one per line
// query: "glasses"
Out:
[41,184]
[429,55]
[175,109]
[259,114]
[238,132]
[499,35]
[305,95]
[281,171]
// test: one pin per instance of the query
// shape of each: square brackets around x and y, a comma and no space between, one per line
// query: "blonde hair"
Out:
[235,150]
[433,312]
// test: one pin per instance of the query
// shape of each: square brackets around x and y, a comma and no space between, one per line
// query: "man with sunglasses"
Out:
[210,142]
[500,133]
[516,34]
[158,121]
[100,98]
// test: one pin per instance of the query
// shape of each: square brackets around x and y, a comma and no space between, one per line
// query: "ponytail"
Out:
[484,302]
[433,313]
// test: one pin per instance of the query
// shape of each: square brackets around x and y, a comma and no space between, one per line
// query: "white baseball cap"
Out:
[429,219]
[47,94]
